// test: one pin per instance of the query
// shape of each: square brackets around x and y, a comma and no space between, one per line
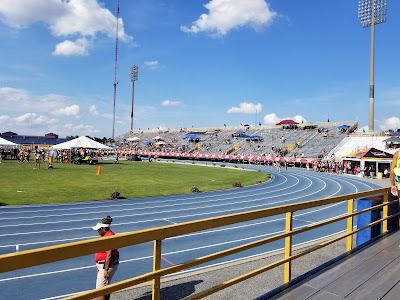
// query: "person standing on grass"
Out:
[106,261]
[50,157]
[38,158]
[395,174]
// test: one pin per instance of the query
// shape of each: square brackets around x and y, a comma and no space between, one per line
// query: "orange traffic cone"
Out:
[99,171]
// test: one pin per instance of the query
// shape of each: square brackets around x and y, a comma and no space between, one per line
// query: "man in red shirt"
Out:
[106,261]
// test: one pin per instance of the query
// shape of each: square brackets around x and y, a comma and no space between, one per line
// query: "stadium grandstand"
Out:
[311,141]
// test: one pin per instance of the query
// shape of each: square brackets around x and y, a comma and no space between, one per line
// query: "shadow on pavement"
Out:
[175,292]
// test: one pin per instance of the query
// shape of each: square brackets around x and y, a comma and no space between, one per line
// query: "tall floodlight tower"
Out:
[115,69]
[371,13]
[134,76]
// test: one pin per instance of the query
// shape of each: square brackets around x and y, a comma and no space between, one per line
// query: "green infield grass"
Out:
[22,183]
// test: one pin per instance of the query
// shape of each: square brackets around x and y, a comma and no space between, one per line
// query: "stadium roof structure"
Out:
[287,122]
[370,154]
[35,140]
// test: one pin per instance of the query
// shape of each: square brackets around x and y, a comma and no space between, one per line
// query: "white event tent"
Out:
[4,142]
[82,142]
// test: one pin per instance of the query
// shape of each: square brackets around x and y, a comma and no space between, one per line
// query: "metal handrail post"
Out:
[350,221]
[288,248]
[156,267]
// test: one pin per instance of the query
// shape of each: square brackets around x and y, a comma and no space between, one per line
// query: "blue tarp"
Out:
[344,126]
[191,137]
[252,137]
[396,133]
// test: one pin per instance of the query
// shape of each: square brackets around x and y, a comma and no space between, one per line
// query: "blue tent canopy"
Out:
[344,126]
[148,143]
[396,133]
[252,137]
[191,137]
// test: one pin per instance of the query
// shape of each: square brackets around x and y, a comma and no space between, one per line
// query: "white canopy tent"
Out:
[82,142]
[4,142]
[133,139]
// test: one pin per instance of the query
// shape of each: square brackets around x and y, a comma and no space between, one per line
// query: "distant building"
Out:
[33,141]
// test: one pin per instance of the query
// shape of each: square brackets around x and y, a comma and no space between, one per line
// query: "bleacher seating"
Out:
[322,141]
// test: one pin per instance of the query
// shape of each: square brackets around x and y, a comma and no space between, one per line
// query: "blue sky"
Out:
[202,63]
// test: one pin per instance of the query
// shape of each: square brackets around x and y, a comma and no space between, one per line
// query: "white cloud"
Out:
[70,48]
[82,129]
[152,65]
[14,100]
[64,18]
[272,119]
[72,110]
[27,119]
[4,119]
[169,103]
[11,95]
[390,123]
[226,15]
[93,110]
[245,108]
[298,119]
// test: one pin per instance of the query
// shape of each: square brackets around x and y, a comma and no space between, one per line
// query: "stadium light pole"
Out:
[134,76]
[371,13]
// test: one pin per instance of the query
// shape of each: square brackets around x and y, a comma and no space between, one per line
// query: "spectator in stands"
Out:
[395,174]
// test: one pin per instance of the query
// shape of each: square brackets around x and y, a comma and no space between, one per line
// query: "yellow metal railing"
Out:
[19,260]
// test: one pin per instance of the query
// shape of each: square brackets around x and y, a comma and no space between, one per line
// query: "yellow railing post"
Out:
[156,267]
[385,212]
[288,248]
[349,239]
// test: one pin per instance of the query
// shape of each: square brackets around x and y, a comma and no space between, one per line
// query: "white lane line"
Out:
[168,221]
[305,221]
[47,242]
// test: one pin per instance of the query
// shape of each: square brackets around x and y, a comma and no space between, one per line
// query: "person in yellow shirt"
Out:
[395,174]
